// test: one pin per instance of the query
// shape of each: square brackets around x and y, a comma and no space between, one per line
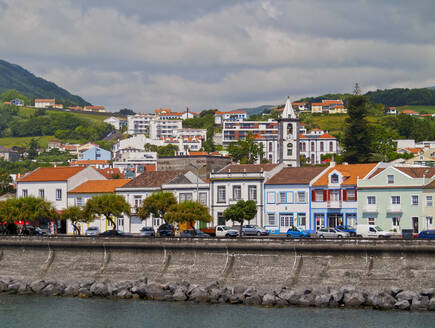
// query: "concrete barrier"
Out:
[263,263]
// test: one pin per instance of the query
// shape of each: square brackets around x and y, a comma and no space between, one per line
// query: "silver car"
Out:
[92,231]
[253,230]
[147,232]
[331,233]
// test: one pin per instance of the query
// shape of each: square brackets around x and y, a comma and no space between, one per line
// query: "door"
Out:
[335,220]
[320,221]
[415,224]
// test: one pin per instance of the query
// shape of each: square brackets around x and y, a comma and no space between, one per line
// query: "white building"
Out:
[54,183]
[116,122]
[240,182]
[135,159]
[164,128]
[315,144]
[44,103]
[288,140]
[184,184]
[220,117]
[139,123]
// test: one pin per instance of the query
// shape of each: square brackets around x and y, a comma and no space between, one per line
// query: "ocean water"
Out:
[63,312]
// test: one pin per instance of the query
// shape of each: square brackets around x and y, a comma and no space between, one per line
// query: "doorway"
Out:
[415,224]
[335,220]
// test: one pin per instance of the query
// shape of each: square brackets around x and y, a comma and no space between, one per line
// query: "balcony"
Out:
[233,201]
[394,208]
[370,208]
[334,203]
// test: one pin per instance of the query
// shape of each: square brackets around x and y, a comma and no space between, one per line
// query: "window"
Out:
[302,218]
[395,200]
[271,219]
[282,198]
[312,146]
[203,198]
[287,220]
[289,129]
[237,192]
[313,161]
[321,146]
[390,179]
[301,197]
[395,222]
[429,221]
[137,201]
[414,199]
[372,221]
[334,195]
[429,201]
[79,201]
[270,147]
[156,222]
[319,195]
[351,220]
[271,197]
[303,149]
[221,191]
[331,146]
[220,217]
[58,194]
[371,200]
[351,195]
[185,196]
[25,193]
[41,193]
[252,193]
[289,149]
[334,178]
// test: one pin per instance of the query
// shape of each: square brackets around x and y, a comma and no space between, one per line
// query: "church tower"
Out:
[288,136]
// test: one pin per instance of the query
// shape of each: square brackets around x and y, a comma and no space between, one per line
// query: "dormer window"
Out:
[390,179]
[334,179]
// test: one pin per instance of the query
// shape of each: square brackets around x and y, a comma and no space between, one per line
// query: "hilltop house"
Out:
[44,103]
[8,154]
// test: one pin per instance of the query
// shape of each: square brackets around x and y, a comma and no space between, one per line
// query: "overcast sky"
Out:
[226,54]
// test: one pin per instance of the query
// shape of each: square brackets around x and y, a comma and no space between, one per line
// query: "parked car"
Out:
[92,231]
[147,232]
[113,233]
[426,234]
[193,233]
[350,230]
[295,232]
[252,229]
[224,231]
[31,230]
[331,233]
[371,231]
[166,230]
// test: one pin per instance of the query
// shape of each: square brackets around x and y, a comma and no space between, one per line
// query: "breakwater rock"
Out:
[346,296]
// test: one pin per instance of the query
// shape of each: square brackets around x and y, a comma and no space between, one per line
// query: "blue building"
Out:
[96,154]
[17,102]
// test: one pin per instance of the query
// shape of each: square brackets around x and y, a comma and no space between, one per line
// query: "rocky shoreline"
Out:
[346,296]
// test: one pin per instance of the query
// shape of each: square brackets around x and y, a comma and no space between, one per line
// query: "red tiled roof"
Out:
[234,112]
[317,104]
[94,107]
[109,172]
[160,110]
[409,111]
[298,103]
[418,172]
[326,136]
[350,172]
[333,102]
[301,136]
[45,100]
[248,168]
[198,153]
[60,173]
[99,186]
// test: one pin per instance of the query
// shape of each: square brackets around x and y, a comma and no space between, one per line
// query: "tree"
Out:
[32,209]
[110,205]
[9,212]
[240,212]
[5,182]
[76,214]
[188,212]
[157,204]
[12,94]
[32,149]
[246,151]
[357,139]
[168,150]
[126,111]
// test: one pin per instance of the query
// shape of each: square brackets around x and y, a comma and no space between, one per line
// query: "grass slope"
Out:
[24,141]
[419,108]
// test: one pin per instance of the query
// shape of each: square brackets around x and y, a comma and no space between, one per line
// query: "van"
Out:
[371,231]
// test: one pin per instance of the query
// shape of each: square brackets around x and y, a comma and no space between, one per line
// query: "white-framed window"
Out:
[429,201]
[351,195]
[319,195]
[301,197]
[395,222]
[282,197]
[395,200]
[271,218]
[287,220]
[372,221]
[414,199]
[185,196]
[302,219]
[58,194]
[41,193]
[371,200]
[334,178]
[25,193]
[220,218]
[351,220]
[390,179]
[237,192]
[137,200]
[252,193]
[271,197]
[79,201]
[335,195]
[203,198]
[289,149]
[221,191]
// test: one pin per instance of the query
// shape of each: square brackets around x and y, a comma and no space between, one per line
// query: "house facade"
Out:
[394,198]
[44,103]
[287,199]
[316,143]
[8,154]
[239,182]
[95,153]
[334,197]
[428,206]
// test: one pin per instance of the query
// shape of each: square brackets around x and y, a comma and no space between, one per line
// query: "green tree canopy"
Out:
[76,214]
[240,212]
[33,209]
[12,94]
[110,205]
[157,204]
[246,151]
[188,212]
[5,182]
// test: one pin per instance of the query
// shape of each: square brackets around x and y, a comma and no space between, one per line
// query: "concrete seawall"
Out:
[263,263]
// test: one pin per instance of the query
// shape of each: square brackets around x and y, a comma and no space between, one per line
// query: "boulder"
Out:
[139,290]
[3,286]
[14,286]
[84,293]
[236,298]
[87,283]
[406,295]
[322,300]
[431,305]
[382,300]
[402,305]
[99,289]
[395,290]
[199,295]
[353,299]
[429,292]
[268,300]
[286,295]
[38,285]
[307,299]
[179,294]
[24,289]
[72,290]
[252,300]
[336,297]
[124,293]
[420,303]
[155,292]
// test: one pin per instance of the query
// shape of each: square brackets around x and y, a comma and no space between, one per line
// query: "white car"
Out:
[92,231]
[331,233]
[224,231]
[371,231]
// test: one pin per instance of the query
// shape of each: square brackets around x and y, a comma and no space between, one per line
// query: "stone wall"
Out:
[262,263]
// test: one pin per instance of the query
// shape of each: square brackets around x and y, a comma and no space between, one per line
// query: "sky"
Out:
[226,54]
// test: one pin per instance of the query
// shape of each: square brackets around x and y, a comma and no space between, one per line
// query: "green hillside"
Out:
[419,108]
[15,77]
